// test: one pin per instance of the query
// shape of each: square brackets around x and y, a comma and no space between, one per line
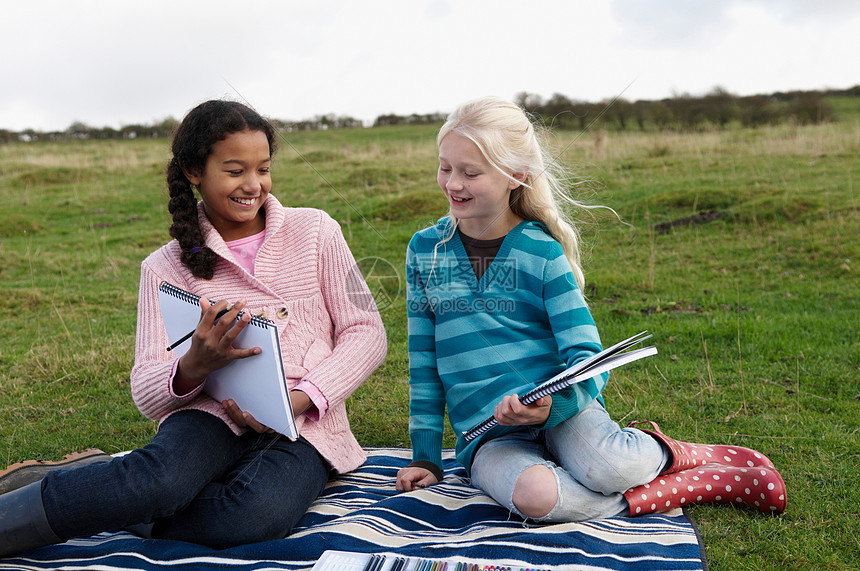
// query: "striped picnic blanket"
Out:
[362,512]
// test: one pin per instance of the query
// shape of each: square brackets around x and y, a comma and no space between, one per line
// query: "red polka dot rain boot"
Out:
[760,487]
[686,455]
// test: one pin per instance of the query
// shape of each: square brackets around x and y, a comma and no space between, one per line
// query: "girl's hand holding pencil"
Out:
[212,344]
[413,478]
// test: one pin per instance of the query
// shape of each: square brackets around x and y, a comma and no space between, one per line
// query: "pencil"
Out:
[190,333]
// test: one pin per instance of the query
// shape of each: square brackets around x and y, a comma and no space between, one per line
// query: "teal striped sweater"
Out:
[472,342]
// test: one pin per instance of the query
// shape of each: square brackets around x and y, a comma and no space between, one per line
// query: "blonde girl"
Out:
[495,306]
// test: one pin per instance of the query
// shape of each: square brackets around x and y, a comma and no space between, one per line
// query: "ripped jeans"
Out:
[593,459]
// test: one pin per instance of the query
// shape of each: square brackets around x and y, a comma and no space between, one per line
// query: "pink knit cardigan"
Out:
[307,282]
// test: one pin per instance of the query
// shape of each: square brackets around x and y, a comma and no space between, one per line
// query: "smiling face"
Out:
[234,184]
[477,192]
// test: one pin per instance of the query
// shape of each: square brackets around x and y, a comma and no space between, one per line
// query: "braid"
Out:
[186,224]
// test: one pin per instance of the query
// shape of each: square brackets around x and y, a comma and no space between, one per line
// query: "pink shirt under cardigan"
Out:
[244,251]
[305,280]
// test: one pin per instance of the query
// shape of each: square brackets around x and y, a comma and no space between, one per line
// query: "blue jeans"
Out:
[593,459]
[196,481]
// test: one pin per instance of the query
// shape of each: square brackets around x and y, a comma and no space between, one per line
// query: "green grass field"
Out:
[754,307]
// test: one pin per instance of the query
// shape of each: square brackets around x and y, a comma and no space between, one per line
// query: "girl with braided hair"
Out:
[495,306]
[212,474]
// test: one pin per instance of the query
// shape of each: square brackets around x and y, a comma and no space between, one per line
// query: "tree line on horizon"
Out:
[716,109]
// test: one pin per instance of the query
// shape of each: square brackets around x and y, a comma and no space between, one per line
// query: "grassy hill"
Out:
[737,248]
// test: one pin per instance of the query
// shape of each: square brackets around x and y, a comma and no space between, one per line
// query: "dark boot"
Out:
[23,524]
[686,455]
[760,488]
[23,473]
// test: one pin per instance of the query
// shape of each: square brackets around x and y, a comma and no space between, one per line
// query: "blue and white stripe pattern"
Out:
[361,511]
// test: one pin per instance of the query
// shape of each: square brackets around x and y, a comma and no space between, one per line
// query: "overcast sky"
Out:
[113,63]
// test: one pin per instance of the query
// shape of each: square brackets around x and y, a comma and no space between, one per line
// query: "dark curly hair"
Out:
[193,140]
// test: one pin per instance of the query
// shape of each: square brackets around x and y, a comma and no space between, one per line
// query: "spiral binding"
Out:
[185,296]
[556,385]
[533,395]
[479,429]
[194,299]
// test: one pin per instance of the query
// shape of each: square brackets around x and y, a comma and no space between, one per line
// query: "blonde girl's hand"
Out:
[511,412]
[212,345]
[244,419]
[413,477]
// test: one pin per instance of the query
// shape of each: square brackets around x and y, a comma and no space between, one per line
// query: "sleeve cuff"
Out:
[187,396]
[436,470]
[320,403]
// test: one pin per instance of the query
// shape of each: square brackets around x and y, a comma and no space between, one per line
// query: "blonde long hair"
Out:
[510,142]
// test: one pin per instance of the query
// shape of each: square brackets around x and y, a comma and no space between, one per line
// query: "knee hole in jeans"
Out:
[536,491]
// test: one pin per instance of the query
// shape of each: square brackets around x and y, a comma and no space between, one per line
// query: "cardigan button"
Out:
[283,313]
[263,315]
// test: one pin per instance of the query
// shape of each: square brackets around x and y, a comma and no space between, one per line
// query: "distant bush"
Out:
[716,109]
[413,119]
